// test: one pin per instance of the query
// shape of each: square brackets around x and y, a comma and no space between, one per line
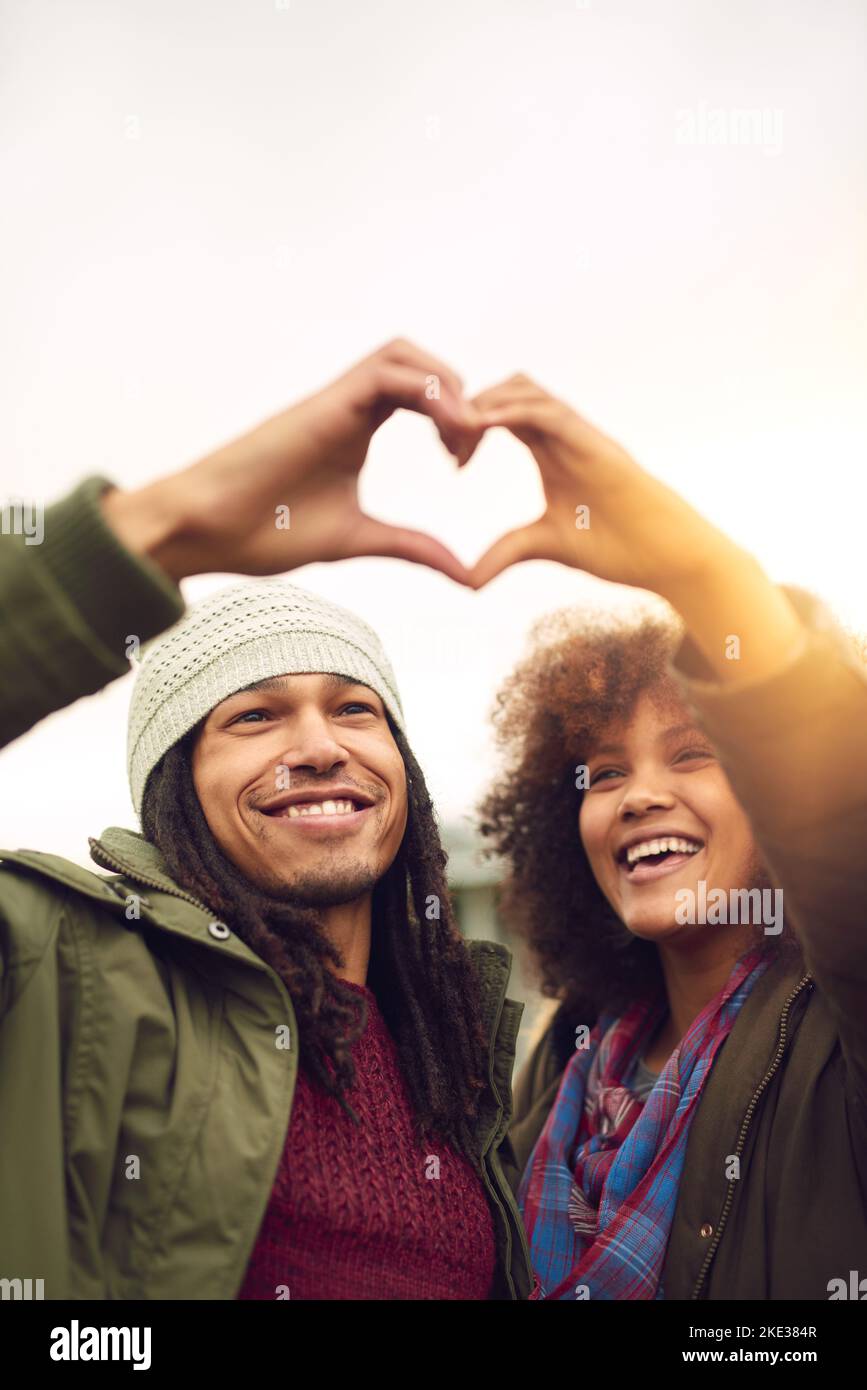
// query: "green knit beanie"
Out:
[239,635]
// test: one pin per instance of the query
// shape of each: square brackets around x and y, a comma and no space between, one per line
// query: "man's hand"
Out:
[224,512]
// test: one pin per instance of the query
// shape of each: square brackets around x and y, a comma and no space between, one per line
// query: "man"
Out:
[257,1060]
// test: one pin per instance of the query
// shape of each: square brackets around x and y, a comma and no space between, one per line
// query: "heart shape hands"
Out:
[286,494]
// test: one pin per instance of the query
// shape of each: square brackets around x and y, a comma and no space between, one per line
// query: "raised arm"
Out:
[788,715]
[282,496]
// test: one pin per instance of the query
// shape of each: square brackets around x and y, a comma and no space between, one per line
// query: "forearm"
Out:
[68,608]
[743,624]
[794,747]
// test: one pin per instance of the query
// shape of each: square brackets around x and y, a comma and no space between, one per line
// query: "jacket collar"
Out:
[129,854]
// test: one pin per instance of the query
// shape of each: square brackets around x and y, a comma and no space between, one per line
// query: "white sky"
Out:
[213,208]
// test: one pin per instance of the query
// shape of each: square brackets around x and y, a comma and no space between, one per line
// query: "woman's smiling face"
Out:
[658,778]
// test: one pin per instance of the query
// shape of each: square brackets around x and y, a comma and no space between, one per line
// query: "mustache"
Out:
[316,786]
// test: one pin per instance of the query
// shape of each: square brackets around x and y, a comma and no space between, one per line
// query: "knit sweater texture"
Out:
[364,1211]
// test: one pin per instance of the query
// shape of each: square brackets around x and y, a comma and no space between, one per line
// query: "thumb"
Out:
[524,543]
[372,537]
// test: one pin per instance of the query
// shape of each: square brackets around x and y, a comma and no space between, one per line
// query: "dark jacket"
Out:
[144,1102]
[787,1093]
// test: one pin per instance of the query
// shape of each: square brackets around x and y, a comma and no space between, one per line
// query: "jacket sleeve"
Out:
[794,748]
[68,606]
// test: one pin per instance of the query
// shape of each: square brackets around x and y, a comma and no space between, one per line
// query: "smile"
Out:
[319,808]
[647,860]
[323,816]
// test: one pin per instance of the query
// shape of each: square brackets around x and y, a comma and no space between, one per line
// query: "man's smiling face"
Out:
[303,786]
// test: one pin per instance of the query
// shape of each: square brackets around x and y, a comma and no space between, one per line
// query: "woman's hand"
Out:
[636,531]
[604,514]
[229,511]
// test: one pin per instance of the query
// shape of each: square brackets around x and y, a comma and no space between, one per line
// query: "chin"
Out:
[327,889]
[661,927]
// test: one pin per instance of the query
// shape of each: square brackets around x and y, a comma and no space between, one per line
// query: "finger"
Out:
[469,439]
[541,415]
[390,386]
[514,389]
[408,355]
[373,537]
[524,543]
[441,380]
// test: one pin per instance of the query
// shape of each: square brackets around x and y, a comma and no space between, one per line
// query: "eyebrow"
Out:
[282,685]
[665,737]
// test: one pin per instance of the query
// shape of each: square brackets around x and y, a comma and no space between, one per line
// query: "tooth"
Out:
[294,811]
[329,808]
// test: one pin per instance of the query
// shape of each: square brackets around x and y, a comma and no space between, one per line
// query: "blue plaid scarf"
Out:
[599,1192]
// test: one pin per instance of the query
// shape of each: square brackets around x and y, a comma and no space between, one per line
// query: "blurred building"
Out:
[474,883]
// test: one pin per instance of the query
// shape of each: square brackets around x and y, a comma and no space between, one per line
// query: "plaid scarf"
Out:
[599,1192]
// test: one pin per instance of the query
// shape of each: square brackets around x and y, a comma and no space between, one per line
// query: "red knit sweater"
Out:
[356,1211]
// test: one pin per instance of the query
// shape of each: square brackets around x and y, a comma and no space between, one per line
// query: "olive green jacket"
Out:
[787,1094]
[146,1083]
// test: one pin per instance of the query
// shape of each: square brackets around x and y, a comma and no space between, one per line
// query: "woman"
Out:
[683,817]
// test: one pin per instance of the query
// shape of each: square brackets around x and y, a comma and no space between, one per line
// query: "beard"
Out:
[327,885]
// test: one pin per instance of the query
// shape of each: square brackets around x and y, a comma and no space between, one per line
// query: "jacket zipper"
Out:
[109,862]
[747,1120]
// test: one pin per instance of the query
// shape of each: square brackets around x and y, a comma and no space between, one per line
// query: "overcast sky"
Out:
[213,208]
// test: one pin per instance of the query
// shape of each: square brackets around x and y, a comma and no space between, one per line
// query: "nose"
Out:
[641,799]
[312,745]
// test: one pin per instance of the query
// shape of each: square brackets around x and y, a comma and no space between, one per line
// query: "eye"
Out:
[357,705]
[604,773]
[688,753]
[247,714]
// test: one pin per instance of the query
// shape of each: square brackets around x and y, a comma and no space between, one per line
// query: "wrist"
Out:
[149,522]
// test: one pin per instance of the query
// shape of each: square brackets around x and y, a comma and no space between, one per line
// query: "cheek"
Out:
[737,836]
[216,782]
[400,799]
[717,806]
[593,828]
[733,845]
[382,761]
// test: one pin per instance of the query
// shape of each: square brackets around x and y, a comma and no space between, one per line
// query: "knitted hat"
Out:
[239,635]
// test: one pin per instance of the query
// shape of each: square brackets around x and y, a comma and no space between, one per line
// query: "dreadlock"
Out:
[420,970]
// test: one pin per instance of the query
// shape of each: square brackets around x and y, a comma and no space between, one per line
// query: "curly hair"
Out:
[582,673]
[420,970]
